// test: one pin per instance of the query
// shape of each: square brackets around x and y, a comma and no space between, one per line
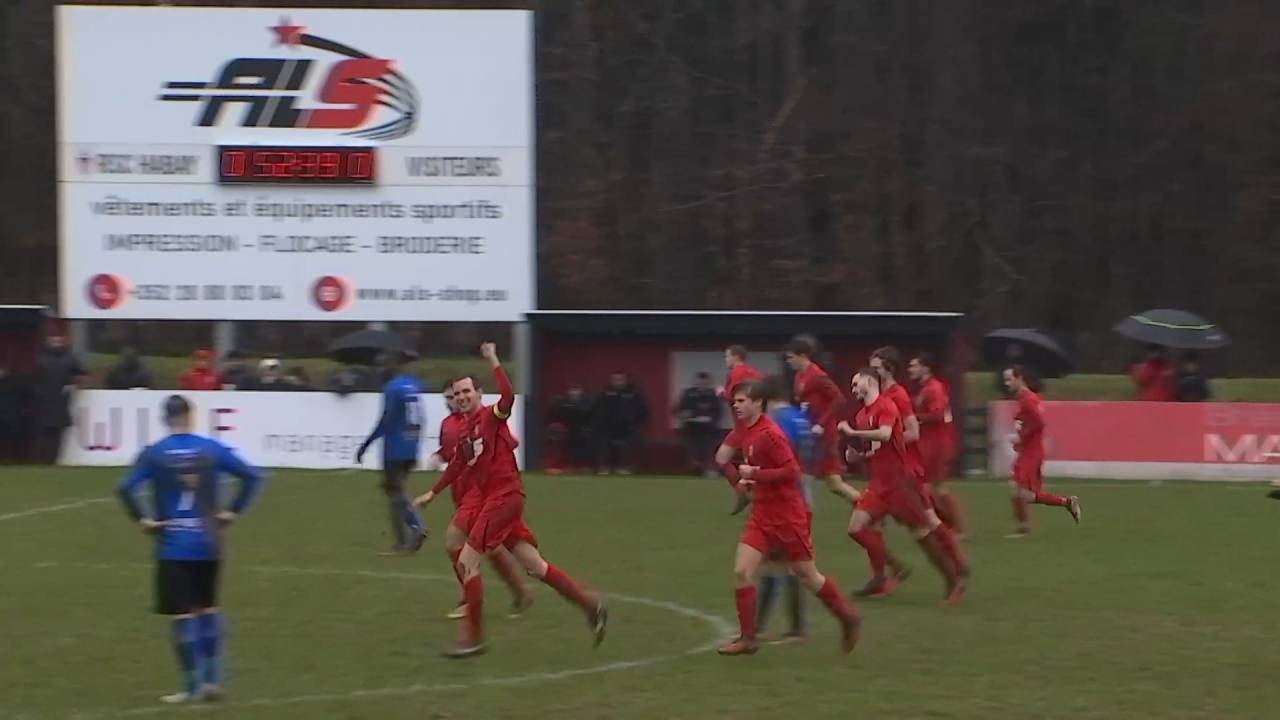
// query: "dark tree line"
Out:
[1058,163]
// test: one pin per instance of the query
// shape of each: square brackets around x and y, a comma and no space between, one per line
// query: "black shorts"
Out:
[184,586]
[395,474]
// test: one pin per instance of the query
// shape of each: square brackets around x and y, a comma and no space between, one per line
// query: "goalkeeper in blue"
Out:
[400,430]
[188,523]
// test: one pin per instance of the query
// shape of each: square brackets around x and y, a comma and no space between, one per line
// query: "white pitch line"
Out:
[719,625]
[53,508]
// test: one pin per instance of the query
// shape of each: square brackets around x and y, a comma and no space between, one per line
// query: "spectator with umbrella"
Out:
[1160,329]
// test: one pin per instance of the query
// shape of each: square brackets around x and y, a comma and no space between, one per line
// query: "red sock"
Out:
[745,598]
[1044,498]
[473,591]
[568,589]
[951,548]
[507,570]
[1020,511]
[830,596]
[873,542]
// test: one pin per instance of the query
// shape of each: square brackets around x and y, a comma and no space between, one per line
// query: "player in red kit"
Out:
[937,438]
[894,490]
[815,390]
[1028,478]
[466,503]
[735,359]
[779,524]
[487,449]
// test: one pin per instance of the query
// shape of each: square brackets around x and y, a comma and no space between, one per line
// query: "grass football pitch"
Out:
[1164,603]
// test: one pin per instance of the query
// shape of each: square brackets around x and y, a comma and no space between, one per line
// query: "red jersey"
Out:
[1030,419]
[196,378]
[887,462]
[1156,381]
[814,387]
[901,400]
[485,456]
[451,429]
[738,374]
[933,409]
[776,495]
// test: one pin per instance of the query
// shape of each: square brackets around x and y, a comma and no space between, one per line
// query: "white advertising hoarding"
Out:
[235,163]
[317,430]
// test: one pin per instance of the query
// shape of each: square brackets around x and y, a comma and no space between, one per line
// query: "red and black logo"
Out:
[106,291]
[269,88]
[331,293]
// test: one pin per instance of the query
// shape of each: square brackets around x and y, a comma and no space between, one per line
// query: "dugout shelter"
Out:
[661,352]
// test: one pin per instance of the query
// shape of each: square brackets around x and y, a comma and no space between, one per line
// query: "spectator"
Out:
[1193,386]
[351,379]
[572,415]
[297,379]
[235,373]
[58,371]
[10,414]
[699,411]
[200,375]
[620,415]
[129,373]
[1155,377]
[269,378]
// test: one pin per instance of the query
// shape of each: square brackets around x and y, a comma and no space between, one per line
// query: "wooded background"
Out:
[1056,163]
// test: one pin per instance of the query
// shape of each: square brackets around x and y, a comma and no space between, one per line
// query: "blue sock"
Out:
[795,603]
[764,600]
[211,629]
[186,644]
[410,515]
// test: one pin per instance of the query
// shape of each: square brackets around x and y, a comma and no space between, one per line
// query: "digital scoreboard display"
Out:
[296,165]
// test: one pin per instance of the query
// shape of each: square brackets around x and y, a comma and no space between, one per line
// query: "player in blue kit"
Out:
[187,521]
[796,425]
[399,428]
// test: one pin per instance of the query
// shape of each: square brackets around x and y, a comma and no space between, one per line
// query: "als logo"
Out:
[270,88]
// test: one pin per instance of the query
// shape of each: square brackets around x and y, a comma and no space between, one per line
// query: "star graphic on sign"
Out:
[287,33]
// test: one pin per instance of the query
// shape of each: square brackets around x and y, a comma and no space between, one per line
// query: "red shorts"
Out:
[937,458]
[908,503]
[826,455]
[464,516]
[500,522]
[1028,473]
[786,540]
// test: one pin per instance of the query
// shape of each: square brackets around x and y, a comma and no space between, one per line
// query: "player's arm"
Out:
[724,458]
[127,491]
[911,428]
[251,481]
[443,455]
[390,397]
[783,466]
[506,391]
[447,478]
[1032,420]
[834,405]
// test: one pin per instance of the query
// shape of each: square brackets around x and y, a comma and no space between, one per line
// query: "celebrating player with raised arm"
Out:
[815,389]
[894,489]
[487,451]
[186,519]
[1027,485]
[466,502]
[400,428]
[779,522]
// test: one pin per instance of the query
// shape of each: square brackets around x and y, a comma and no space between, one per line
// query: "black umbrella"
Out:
[363,347]
[1038,351]
[1173,329]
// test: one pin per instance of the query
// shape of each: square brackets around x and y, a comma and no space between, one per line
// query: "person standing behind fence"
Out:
[200,375]
[699,411]
[1155,377]
[1193,386]
[620,415]
[58,371]
[130,373]
[573,414]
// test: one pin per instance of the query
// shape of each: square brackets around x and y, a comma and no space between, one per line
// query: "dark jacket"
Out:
[574,415]
[238,374]
[620,412]
[129,373]
[353,379]
[697,403]
[1193,387]
[55,371]
[10,401]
